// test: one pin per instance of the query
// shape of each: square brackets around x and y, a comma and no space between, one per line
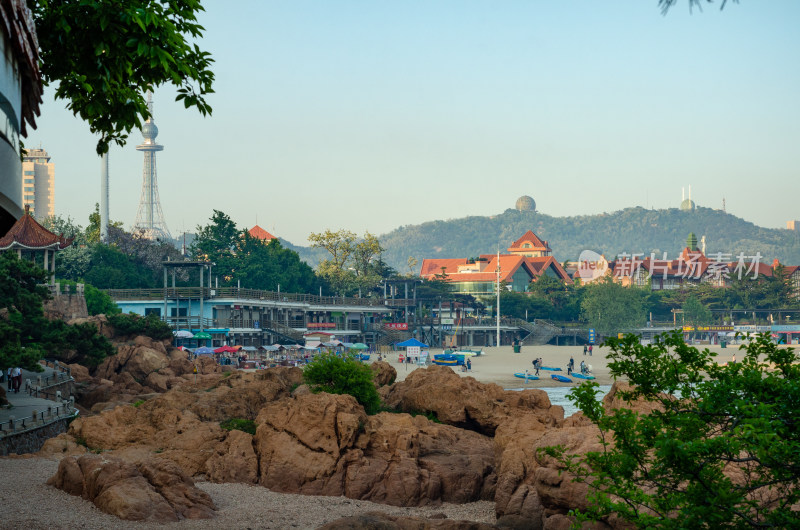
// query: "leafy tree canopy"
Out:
[610,308]
[721,448]
[105,54]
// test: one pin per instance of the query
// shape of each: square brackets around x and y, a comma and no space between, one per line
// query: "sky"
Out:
[369,115]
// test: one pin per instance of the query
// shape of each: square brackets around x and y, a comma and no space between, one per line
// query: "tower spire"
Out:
[150,218]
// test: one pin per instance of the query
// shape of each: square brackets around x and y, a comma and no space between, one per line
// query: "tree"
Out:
[610,308]
[720,449]
[665,5]
[349,266]
[343,374]
[26,335]
[695,313]
[104,54]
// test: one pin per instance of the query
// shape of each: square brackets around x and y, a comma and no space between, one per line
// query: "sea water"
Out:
[558,396]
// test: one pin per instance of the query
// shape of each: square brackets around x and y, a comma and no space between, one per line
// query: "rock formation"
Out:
[153,490]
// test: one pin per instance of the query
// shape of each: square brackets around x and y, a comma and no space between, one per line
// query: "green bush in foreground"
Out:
[343,374]
[673,468]
[239,424]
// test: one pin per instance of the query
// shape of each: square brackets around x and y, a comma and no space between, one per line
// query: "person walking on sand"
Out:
[585,349]
[469,365]
[590,349]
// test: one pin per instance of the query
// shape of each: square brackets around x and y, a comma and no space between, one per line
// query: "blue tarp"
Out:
[204,351]
[411,342]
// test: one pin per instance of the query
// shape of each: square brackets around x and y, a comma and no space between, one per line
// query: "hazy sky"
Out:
[368,115]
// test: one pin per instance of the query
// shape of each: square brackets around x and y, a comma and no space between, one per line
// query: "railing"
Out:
[40,388]
[248,294]
[59,411]
[192,322]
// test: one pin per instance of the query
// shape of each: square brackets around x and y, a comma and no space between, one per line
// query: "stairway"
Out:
[541,332]
[283,331]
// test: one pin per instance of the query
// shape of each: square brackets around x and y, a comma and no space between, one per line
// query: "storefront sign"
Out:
[321,325]
[708,328]
[396,325]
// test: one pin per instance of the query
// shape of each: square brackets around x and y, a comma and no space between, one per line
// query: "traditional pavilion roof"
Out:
[30,235]
[260,233]
[536,244]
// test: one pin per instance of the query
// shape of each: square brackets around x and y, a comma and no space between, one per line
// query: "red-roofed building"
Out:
[28,238]
[529,259]
[262,234]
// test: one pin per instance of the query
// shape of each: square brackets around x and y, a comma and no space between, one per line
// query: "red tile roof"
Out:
[533,239]
[260,233]
[28,234]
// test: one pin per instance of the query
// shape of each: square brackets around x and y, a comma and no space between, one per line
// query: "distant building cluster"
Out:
[527,259]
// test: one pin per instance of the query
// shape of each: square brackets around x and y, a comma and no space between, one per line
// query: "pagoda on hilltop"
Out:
[30,239]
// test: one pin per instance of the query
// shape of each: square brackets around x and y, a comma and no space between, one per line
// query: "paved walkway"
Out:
[22,404]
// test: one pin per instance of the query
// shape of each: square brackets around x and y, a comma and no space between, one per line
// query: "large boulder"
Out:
[465,402]
[383,373]
[154,490]
[323,444]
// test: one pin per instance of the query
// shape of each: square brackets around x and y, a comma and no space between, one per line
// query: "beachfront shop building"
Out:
[247,317]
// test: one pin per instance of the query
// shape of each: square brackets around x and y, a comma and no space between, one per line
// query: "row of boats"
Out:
[555,377]
[455,357]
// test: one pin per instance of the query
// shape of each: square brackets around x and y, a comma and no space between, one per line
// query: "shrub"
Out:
[132,324]
[239,424]
[343,374]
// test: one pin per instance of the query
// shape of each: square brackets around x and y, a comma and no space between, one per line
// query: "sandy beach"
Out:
[498,365]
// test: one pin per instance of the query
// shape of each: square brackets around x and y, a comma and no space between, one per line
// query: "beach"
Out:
[498,365]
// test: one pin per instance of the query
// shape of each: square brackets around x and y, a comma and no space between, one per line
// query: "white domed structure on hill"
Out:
[525,204]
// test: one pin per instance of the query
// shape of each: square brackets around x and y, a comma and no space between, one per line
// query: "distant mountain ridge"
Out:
[632,230]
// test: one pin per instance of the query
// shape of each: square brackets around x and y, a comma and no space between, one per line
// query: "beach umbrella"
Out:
[205,350]
[411,342]
[183,334]
[202,335]
[359,346]
[226,349]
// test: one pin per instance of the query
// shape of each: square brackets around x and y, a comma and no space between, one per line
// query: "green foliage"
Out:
[132,324]
[112,269]
[721,449]
[104,54]
[26,335]
[695,313]
[138,403]
[239,424]
[349,265]
[610,308]
[241,259]
[343,374]
[519,305]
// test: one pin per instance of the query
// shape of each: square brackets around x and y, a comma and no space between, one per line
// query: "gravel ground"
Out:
[30,504]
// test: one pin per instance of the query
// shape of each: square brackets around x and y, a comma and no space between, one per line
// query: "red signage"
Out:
[396,325]
[321,325]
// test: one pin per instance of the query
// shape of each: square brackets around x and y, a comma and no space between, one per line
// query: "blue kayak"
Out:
[581,376]
[561,378]
[529,376]
[552,369]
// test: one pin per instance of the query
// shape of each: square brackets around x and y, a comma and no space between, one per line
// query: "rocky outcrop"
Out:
[383,373]
[154,490]
[464,402]
[325,445]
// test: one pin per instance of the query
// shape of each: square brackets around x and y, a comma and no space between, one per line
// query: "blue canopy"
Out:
[411,342]
[204,351]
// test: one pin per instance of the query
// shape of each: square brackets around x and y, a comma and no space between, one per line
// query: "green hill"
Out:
[633,230]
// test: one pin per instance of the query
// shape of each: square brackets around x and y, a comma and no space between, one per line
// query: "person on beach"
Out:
[590,349]
[585,349]
[469,365]
[571,363]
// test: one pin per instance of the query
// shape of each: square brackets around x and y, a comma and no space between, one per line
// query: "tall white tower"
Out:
[150,218]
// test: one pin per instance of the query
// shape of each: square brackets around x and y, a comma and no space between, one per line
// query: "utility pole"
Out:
[498,296]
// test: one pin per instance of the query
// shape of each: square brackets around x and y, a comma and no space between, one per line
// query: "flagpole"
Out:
[498,296]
